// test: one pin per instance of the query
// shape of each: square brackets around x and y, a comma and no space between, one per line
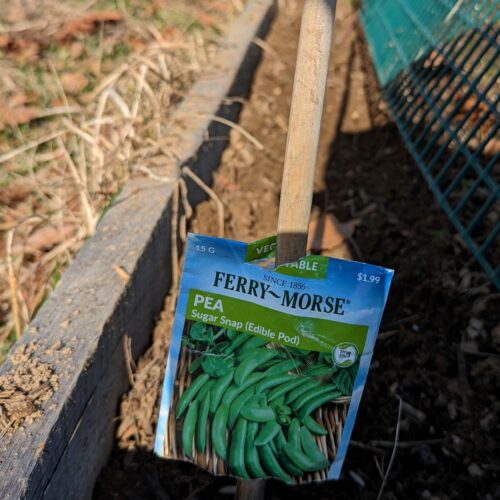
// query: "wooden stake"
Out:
[304,127]
[309,86]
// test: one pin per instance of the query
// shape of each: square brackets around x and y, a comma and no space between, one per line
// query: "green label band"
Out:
[310,334]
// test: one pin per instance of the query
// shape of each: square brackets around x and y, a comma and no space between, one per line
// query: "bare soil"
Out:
[439,347]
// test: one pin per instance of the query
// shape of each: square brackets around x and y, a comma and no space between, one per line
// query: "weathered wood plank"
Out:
[79,331]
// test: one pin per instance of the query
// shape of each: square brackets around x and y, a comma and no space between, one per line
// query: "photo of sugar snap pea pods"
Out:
[234,390]
[201,423]
[272,380]
[257,414]
[271,464]
[253,404]
[288,365]
[237,405]
[249,364]
[267,432]
[218,433]
[237,450]
[251,343]
[190,393]
[283,389]
[218,390]
[189,428]
[252,459]
[310,447]
[314,426]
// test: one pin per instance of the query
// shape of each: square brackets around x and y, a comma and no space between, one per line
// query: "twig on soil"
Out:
[236,127]
[406,444]
[467,350]
[220,207]
[387,334]
[394,450]
[401,321]
[367,447]
[173,236]
[59,110]
[262,44]
[188,209]
[13,284]
[378,466]
[129,363]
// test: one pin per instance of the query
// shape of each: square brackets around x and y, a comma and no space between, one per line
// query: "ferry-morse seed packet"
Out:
[267,365]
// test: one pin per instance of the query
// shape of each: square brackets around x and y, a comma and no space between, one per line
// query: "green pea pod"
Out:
[279,440]
[201,423]
[267,432]
[237,450]
[314,426]
[277,402]
[218,390]
[303,389]
[252,343]
[303,461]
[252,460]
[294,433]
[283,367]
[273,380]
[316,402]
[190,393]
[235,343]
[281,390]
[271,464]
[248,365]
[284,420]
[204,390]
[272,445]
[283,410]
[219,425]
[188,428]
[237,405]
[289,466]
[325,389]
[250,353]
[257,414]
[234,390]
[309,445]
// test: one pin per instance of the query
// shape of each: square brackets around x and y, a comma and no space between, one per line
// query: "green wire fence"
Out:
[439,66]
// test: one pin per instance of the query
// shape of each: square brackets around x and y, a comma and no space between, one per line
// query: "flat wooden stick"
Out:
[304,128]
[309,86]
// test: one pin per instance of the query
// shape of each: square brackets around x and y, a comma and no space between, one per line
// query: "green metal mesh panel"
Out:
[438,63]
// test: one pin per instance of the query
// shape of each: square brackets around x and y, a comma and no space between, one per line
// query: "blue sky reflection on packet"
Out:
[320,316]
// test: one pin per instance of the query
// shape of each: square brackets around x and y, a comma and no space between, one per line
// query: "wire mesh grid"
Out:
[439,66]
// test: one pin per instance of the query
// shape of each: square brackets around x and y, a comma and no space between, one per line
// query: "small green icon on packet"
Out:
[345,354]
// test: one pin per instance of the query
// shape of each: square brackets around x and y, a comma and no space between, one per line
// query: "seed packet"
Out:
[267,365]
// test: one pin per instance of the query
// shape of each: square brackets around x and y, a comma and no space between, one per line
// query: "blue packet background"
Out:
[266,366]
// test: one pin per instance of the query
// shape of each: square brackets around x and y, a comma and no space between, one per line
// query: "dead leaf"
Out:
[46,237]
[13,112]
[24,49]
[4,40]
[124,275]
[87,24]
[492,147]
[76,50]
[326,233]
[73,83]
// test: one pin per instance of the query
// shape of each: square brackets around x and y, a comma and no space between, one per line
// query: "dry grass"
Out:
[88,111]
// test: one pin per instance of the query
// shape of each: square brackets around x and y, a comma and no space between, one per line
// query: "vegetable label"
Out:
[267,365]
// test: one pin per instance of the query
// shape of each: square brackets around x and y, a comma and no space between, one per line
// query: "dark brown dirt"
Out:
[440,344]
